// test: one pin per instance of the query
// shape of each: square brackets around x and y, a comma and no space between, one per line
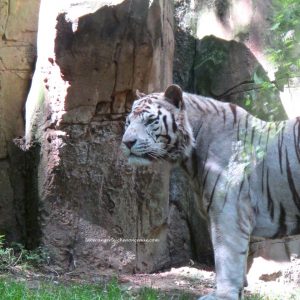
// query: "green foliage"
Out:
[20,291]
[10,290]
[263,101]
[214,56]
[16,254]
[13,290]
[113,291]
[286,36]
[285,56]
[149,294]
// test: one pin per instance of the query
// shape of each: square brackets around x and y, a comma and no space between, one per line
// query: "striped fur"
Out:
[247,171]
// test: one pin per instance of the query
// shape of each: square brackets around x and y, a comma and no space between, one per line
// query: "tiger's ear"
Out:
[139,95]
[173,93]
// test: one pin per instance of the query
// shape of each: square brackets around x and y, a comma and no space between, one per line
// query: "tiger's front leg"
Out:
[230,238]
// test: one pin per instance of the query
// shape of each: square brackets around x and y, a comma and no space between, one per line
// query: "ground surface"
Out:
[188,280]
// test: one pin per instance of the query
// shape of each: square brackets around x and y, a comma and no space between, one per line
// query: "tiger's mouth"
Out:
[145,156]
[140,160]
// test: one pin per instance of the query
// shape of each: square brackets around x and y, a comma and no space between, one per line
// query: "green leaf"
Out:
[248,102]
[275,26]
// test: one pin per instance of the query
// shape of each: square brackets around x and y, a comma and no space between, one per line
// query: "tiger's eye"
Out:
[149,121]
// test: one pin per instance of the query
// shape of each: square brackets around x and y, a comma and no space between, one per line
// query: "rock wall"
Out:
[83,86]
[71,190]
[18,29]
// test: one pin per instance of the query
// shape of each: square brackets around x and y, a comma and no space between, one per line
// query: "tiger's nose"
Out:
[129,144]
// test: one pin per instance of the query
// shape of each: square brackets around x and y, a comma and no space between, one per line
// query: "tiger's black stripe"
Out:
[263,176]
[199,106]
[205,178]
[224,115]
[166,124]
[297,228]
[194,163]
[252,135]
[291,182]
[270,199]
[233,109]
[263,161]
[213,105]
[174,125]
[203,166]
[241,188]
[197,131]
[280,144]
[212,193]
[246,128]
[238,130]
[226,195]
[282,230]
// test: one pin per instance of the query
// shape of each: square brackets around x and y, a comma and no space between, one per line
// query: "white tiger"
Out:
[246,171]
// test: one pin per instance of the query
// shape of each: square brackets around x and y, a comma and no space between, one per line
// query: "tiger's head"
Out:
[157,128]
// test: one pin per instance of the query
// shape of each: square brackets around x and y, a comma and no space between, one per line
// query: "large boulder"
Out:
[226,60]
[229,71]
[93,207]
[275,260]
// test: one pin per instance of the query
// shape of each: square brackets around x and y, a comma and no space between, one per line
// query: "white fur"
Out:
[248,175]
